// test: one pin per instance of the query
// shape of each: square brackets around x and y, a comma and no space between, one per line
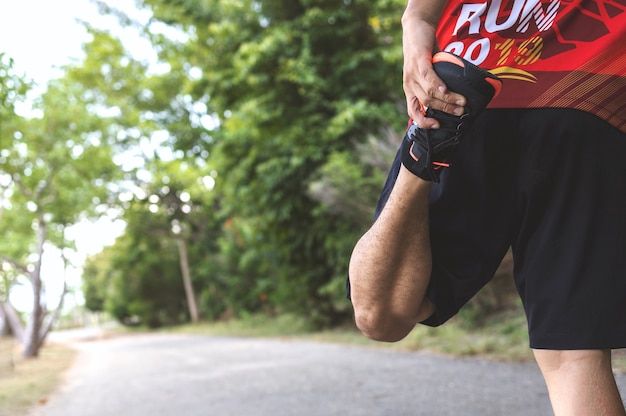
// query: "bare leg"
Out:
[580,382]
[391,264]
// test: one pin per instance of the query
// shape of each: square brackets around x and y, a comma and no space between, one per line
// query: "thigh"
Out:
[570,237]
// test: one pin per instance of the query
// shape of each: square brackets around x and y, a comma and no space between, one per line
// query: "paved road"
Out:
[171,375]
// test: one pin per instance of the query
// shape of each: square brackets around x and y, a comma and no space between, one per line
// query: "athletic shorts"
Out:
[551,184]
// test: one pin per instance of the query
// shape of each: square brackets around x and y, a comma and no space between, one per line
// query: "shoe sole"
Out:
[476,84]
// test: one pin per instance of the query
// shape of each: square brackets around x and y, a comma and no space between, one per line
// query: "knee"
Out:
[568,360]
[388,323]
[580,382]
[380,326]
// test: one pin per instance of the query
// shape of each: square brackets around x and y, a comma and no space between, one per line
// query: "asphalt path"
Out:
[171,375]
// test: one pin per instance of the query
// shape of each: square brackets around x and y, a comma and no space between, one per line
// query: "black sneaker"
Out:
[426,151]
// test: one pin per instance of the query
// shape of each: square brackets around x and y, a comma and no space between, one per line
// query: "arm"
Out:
[421,83]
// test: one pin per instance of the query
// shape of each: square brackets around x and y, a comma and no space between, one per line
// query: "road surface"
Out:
[171,375]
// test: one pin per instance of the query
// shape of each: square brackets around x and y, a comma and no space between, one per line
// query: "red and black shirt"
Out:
[549,53]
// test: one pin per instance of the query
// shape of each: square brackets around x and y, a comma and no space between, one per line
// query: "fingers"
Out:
[424,89]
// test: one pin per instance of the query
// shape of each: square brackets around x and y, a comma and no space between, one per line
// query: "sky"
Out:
[41,36]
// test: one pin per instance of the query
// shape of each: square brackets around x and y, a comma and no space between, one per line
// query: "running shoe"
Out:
[426,151]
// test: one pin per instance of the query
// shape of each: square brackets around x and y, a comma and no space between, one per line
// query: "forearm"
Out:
[421,84]
[419,25]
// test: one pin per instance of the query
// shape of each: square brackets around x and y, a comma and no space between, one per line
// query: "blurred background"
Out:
[173,162]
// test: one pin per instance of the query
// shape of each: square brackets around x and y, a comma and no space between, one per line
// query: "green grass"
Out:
[27,382]
[502,338]
[619,360]
[251,326]
[505,341]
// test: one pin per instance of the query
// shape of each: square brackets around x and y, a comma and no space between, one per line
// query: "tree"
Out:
[56,168]
[13,89]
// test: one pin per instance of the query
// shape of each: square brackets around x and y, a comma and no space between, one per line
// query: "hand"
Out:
[422,86]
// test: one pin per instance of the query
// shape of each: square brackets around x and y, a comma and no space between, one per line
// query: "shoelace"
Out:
[435,141]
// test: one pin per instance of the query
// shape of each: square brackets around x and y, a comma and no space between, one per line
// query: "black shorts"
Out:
[551,184]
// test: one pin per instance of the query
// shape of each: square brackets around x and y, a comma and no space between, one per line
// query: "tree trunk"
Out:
[52,317]
[32,341]
[5,328]
[12,320]
[184,267]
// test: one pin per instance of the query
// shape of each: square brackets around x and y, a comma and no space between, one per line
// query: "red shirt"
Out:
[549,53]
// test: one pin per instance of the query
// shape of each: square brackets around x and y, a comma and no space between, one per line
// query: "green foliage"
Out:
[238,287]
[95,279]
[13,89]
[293,83]
[55,170]
[52,166]
[144,276]
[281,104]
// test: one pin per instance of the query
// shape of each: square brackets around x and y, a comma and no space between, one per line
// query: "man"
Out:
[541,169]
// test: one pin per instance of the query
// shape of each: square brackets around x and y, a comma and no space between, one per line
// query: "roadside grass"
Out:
[27,382]
[503,338]
[619,360]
